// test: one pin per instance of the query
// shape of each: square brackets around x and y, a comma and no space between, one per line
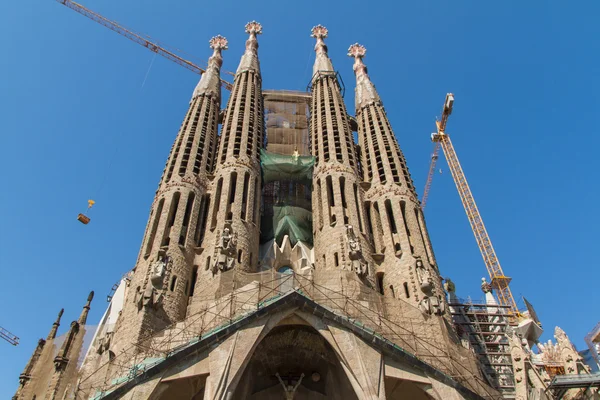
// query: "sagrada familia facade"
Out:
[280,260]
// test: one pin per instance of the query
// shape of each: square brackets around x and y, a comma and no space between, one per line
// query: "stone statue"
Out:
[158,270]
[359,266]
[289,389]
[449,286]
[226,251]
[432,305]
[424,277]
[485,286]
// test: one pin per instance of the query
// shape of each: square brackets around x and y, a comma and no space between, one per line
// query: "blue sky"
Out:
[77,122]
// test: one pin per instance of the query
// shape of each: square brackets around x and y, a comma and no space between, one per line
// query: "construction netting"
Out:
[287,169]
[286,206]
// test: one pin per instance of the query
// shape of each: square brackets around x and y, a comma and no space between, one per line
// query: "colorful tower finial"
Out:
[249,60]
[319,32]
[358,51]
[254,28]
[218,43]
[210,80]
[322,62]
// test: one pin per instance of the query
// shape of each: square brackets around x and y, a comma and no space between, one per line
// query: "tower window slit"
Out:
[201,221]
[423,235]
[406,292]
[154,227]
[173,283]
[390,216]
[186,219]
[380,282]
[245,195]
[336,259]
[171,219]
[368,215]
[358,209]
[239,258]
[320,203]
[330,199]
[232,187]
[213,222]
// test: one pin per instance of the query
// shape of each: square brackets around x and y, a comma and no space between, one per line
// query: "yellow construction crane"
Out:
[138,39]
[499,282]
[9,337]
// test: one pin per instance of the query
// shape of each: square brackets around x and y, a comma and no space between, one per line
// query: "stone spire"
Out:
[322,61]
[55,325]
[365,90]
[210,82]
[249,60]
[86,309]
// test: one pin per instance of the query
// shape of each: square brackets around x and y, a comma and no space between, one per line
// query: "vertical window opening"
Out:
[245,195]
[257,198]
[232,187]
[379,277]
[392,291]
[403,210]
[157,216]
[330,199]
[390,216]
[194,278]
[171,219]
[358,209]
[336,259]
[425,244]
[173,283]
[406,292]
[186,218]
[240,255]
[202,217]
[213,223]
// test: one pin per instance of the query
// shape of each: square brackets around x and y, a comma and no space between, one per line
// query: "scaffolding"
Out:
[396,323]
[484,326]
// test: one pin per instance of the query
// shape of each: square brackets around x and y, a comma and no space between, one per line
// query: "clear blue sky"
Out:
[76,123]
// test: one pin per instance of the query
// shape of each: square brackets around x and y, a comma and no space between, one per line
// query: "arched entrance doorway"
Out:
[295,359]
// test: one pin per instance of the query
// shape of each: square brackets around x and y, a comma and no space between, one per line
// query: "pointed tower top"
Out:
[365,90]
[86,309]
[55,325]
[249,60]
[322,62]
[210,82]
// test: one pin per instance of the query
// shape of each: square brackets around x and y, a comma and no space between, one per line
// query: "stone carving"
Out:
[449,286]
[485,286]
[226,250]
[431,303]
[289,389]
[152,295]
[359,266]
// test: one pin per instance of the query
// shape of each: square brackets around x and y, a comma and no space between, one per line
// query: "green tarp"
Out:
[277,167]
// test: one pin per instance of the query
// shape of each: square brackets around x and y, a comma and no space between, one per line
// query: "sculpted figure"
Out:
[226,249]
[485,286]
[359,266]
[424,277]
[158,270]
[289,389]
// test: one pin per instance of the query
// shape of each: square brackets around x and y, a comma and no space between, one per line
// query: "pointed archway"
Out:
[292,356]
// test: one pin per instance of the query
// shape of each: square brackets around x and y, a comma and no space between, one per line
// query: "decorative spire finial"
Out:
[249,60]
[319,32]
[357,50]
[218,43]
[253,28]
[86,309]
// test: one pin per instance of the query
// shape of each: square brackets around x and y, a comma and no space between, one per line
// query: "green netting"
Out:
[277,167]
[296,222]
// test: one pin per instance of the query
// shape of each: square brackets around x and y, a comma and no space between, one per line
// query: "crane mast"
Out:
[500,282]
[9,337]
[137,38]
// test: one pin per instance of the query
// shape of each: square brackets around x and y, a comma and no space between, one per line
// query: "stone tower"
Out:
[406,265]
[336,297]
[53,368]
[162,278]
[339,228]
